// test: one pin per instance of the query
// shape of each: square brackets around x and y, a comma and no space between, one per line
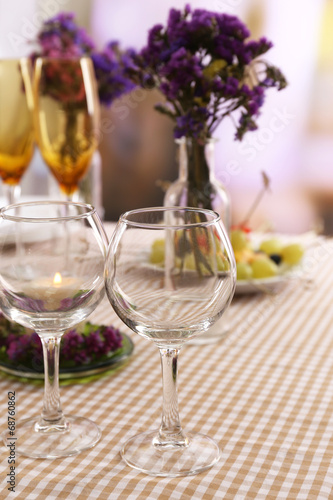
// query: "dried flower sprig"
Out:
[265,187]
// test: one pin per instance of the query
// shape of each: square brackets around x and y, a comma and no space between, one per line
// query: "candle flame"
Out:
[57,279]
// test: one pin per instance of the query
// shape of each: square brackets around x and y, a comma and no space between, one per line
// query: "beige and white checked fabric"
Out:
[264,392]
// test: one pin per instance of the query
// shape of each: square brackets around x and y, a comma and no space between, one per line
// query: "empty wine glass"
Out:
[16,124]
[51,278]
[170,304]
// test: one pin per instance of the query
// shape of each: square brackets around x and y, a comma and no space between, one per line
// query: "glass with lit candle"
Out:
[51,278]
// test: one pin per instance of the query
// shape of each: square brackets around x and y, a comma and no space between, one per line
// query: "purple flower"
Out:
[112,69]
[72,348]
[155,45]
[201,61]
[17,347]
[60,37]
[112,338]
[193,122]
[95,344]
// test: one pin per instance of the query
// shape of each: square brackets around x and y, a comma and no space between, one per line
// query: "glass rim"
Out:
[63,58]
[15,59]
[190,140]
[89,211]
[215,217]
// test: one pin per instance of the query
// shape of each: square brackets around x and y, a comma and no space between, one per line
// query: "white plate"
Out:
[270,285]
[265,285]
[244,287]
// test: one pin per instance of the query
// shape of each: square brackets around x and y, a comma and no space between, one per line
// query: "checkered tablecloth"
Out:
[264,392]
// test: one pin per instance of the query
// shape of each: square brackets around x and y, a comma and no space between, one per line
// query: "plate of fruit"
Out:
[264,261]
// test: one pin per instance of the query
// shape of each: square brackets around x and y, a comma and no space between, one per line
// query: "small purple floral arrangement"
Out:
[207,68]
[60,37]
[86,345]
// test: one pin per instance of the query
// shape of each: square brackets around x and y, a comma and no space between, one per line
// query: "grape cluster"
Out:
[267,260]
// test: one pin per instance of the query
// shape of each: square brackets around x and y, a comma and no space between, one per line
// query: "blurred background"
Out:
[294,142]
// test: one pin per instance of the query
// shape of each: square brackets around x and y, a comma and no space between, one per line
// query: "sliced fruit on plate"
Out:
[269,258]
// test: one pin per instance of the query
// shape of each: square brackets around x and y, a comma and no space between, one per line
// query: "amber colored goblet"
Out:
[16,124]
[66,118]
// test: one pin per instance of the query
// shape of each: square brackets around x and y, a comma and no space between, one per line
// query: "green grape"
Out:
[192,265]
[189,261]
[264,268]
[244,271]
[238,240]
[271,246]
[157,252]
[292,254]
[222,263]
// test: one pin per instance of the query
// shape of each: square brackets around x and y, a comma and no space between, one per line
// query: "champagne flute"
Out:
[16,124]
[66,118]
[51,278]
[170,305]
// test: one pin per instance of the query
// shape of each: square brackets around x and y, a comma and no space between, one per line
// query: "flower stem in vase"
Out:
[70,155]
[197,185]
[200,190]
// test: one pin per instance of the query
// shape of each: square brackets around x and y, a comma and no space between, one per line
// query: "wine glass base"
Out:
[80,434]
[199,455]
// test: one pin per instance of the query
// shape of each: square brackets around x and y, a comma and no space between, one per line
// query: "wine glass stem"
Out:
[74,196]
[170,433]
[12,192]
[52,415]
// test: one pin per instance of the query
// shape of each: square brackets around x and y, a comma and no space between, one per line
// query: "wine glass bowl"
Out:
[170,304]
[16,124]
[51,277]
[66,117]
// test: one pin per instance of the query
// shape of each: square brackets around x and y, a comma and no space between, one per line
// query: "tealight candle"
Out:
[53,291]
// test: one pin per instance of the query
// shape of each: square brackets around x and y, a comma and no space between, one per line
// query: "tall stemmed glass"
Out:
[51,278]
[16,124]
[170,305]
[66,118]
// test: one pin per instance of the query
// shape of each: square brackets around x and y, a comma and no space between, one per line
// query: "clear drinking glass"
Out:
[66,118]
[170,303]
[16,124]
[51,278]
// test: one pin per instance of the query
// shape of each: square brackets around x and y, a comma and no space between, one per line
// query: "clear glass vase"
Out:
[197,185]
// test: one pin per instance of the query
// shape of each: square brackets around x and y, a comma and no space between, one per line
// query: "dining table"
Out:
[262,389]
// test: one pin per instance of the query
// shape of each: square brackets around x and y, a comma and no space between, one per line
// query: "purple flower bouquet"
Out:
[86,346]
[207,69]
